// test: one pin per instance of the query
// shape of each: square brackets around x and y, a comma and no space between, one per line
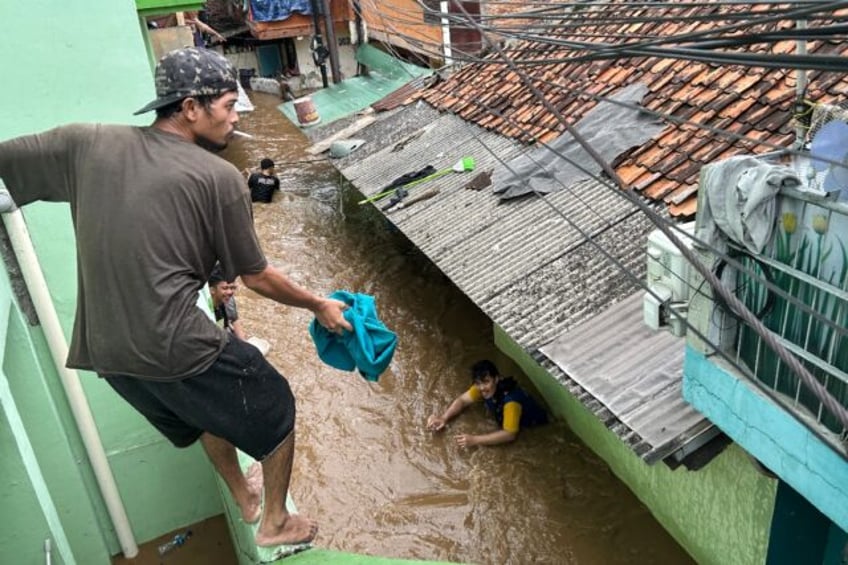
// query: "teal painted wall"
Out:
[770,434]
[72,62]
[720,514]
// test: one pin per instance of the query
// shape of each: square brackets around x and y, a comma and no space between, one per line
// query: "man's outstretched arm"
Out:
[273,284]
[437,423]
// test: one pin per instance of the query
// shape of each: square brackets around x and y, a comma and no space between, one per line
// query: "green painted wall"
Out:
[720,514]
[72,62]
[32,417]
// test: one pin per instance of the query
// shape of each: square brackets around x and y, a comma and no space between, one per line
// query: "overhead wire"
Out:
[809,11]
[723,257]
[732,135]
[541,98]
[736,305]
[667,117]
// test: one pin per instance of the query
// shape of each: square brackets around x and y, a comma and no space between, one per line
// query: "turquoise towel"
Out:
[369,347]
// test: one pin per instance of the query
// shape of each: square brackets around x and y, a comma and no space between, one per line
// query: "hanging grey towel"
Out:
[611,128]
[739,201]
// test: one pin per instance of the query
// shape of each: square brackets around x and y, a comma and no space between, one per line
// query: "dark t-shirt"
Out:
[226,314]
[153,213]
[262,186]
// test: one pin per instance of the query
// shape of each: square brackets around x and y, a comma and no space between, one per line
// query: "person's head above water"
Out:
[485,376]
[220,288]
[482,369]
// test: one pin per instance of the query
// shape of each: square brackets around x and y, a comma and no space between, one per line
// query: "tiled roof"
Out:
[702,99]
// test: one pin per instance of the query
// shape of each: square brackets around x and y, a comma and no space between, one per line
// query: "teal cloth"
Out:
[368,348]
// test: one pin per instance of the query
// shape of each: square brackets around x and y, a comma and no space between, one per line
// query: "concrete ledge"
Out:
[769,433]
[302,554]
[243,534]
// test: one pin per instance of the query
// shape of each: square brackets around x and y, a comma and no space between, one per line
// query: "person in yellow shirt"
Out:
[511,407]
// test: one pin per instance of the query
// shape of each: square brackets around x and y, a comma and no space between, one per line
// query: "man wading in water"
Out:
[153,212]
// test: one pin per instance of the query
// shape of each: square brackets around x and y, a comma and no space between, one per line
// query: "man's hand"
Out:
[329,314]
[7,204]
[465,440]
[435,423]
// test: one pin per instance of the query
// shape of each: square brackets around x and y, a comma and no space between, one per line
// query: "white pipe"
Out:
[37,286]
[800,83]
[446,38]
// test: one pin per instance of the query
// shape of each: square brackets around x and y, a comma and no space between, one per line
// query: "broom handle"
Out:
[385,193]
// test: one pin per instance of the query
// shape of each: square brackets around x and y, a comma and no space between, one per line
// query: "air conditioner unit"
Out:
[668,281]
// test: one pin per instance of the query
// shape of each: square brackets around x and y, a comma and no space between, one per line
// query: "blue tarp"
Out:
[276,10]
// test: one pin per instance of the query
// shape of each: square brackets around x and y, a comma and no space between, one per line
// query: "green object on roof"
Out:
[162,7]
[386,74]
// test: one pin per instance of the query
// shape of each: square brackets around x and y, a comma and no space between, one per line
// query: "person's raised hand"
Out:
[435,423]
[465,440]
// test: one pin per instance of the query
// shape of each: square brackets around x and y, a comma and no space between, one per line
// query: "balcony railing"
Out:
[808,261]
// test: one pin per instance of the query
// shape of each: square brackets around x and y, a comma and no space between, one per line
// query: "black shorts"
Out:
[240,398]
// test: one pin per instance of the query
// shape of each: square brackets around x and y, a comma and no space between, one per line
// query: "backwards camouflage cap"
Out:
[191,71]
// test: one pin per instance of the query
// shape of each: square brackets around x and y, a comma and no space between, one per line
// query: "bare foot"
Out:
[251,509]
[295,529]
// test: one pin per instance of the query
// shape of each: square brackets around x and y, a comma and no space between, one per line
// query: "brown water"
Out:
[365,467]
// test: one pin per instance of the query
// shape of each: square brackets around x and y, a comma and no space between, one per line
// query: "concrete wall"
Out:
[77,62]
[720,514]
[769,433]
[310,73]
[401,23]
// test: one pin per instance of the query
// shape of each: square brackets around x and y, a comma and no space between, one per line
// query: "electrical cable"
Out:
[821,393]
[791,361]
[742,311]
[770,286]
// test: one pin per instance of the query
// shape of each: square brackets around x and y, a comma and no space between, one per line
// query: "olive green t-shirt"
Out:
[152,214]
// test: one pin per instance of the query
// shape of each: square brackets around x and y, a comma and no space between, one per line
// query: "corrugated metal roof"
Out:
[632,370]
[354,94]
[526,262]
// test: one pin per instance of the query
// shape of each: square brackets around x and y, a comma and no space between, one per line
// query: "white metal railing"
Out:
[808,261]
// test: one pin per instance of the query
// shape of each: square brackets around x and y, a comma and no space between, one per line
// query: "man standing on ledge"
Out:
[153,211]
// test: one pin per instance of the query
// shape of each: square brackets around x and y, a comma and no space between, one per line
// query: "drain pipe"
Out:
[800,86]
[37,286]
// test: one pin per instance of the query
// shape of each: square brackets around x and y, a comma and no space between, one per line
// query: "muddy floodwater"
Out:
[365,467]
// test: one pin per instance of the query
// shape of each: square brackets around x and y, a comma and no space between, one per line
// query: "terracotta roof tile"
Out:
[630,173]
[645,179]
[723,101]
[671,160]
[704,104]
[681,193]
[659,189]
[737,108]
[655,154]
[685,210]
[684,170]
[706,96]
